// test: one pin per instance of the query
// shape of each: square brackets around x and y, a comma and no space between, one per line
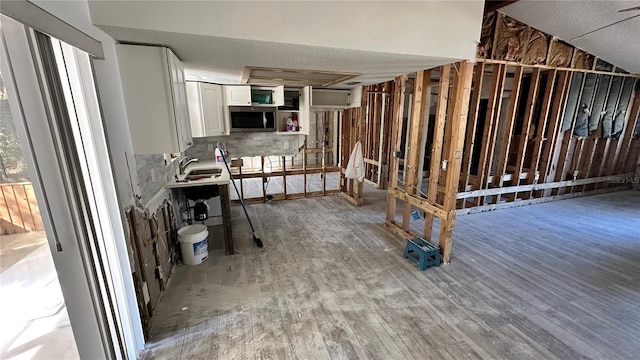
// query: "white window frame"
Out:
[103,308]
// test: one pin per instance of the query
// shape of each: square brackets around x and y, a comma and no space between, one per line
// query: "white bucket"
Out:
[193,243]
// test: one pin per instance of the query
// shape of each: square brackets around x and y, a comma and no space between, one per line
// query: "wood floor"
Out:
[553,281]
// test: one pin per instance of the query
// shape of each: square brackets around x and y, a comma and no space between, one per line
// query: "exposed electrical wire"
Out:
[604,27]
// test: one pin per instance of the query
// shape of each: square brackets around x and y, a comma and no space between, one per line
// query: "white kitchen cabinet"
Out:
[304,113]
[155,99]
[329,98]
[277,95]
[206,109]
[237,95]
[181,108]
[336,98]
[355,97]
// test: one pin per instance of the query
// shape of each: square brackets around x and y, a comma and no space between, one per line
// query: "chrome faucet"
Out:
[183,165]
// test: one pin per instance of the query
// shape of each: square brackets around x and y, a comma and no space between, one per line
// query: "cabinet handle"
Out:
[189,143]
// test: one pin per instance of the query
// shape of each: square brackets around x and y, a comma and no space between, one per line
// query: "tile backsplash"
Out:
[248,144]
[153,174]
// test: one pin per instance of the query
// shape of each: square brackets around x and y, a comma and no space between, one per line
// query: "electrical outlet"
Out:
[153,175]
[211,148]
[286,144]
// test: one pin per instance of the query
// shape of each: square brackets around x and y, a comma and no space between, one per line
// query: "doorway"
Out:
[32,309]
[57,117]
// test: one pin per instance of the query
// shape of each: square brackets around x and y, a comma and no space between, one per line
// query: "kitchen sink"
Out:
[204,172]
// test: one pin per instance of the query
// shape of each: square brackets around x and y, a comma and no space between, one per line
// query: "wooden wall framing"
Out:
[454,87]
[153,242]
[378,111]
[506,132]
[542,159]
[352,130]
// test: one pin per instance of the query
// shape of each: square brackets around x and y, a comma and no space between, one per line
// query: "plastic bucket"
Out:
[193,243]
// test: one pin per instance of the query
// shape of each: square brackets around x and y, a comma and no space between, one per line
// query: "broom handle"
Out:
[224,158]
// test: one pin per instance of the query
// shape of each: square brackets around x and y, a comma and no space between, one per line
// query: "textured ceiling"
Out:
[596,27]
[222,60]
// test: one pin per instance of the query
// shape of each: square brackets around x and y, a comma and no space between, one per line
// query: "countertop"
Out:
[223,179]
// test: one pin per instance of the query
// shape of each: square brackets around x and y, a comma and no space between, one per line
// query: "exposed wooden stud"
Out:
[490,126]
[325,139]
[436,147]
[610,144]
[460,111]
[600,145]
[396,141]
[385,157]
[362,133]
[415,139]
[612,147]
[473,124]
[585,146]
[553,130]
[534,174]
[508,129]
[453,83]
[632,124]
[526,126]
[568,145]
[632,159]
[631,119]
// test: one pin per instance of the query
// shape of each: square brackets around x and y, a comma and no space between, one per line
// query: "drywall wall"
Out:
[369,26]
[111,96]
[121,194]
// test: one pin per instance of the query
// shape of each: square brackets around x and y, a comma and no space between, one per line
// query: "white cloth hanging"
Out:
[355,167]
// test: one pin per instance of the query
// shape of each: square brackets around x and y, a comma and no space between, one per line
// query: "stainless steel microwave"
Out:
[252,118]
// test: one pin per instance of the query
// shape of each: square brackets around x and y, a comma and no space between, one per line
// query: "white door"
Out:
[180,103]
[305,111]
[195,109]
[186,139]
[277,95]
[63,147]
[211,97]
[238,95]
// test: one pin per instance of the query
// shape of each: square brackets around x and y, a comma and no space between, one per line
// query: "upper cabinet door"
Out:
[355,97]
[195,109]
[238,95]
[213,119]
[155,98]
[304,111]
[180,103]
[277,95]
[330,98]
